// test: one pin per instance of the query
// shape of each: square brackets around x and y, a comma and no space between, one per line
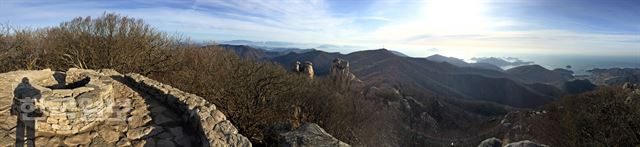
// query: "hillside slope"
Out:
[538,74]
[604,117]
[421,77]
[462,63]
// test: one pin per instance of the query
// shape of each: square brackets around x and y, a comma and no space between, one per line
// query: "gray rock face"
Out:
[296,67]
[307,68]
[491,142]
[628,85]
[525,143]
[309,135]
[340,71]
[105,108]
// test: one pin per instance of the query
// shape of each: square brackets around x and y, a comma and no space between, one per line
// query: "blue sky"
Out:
[459,28]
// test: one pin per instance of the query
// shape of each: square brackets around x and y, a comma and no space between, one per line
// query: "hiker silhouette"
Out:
[25,96]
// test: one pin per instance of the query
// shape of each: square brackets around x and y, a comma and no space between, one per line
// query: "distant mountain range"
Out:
[505,62]
[462,63]
[271,45]
[526,86]
[419,76]
[261,53]
[539,74]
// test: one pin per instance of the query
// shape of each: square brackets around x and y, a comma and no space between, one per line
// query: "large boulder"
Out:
[525,143]
[307,135]
[340,71]
[307,68]
[491,142]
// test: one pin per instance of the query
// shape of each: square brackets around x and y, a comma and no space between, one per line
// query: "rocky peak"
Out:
[339,67]
[339,71]
[307,68]
[296,67]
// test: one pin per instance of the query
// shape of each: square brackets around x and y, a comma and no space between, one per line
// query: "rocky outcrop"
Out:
[634,97]
[491,142]
[106,108]
[339,67]
[307,68]
[340,71]
[495,142]
[628,85]
[525,143]
[307,135]
[296,67]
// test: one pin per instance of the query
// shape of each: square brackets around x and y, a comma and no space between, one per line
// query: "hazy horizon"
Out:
[457,28]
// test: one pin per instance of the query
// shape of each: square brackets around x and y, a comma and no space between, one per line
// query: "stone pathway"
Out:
[150,122]
[169,129]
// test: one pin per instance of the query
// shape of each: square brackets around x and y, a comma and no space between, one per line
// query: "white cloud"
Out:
[287,20]
[468,33]
[457,28]
[301,21]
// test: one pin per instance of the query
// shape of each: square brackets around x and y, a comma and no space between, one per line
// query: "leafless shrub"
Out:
[18,48]
[110,41]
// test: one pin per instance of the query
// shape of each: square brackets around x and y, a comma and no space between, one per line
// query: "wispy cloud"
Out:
[462,28]
[266,20]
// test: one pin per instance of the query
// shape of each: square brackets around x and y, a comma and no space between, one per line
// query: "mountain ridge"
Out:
[462,63]
[381,66]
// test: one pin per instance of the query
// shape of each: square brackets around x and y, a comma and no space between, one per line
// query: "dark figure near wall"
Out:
[25,96]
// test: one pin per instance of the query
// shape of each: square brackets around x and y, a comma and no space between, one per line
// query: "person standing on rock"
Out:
[25,96]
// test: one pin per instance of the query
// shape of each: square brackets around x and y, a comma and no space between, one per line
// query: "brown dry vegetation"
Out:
[256,96]
[111,41]
[253,95]
[609,116]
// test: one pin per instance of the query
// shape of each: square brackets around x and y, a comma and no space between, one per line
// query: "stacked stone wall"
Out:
[199,113]
[105,108]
